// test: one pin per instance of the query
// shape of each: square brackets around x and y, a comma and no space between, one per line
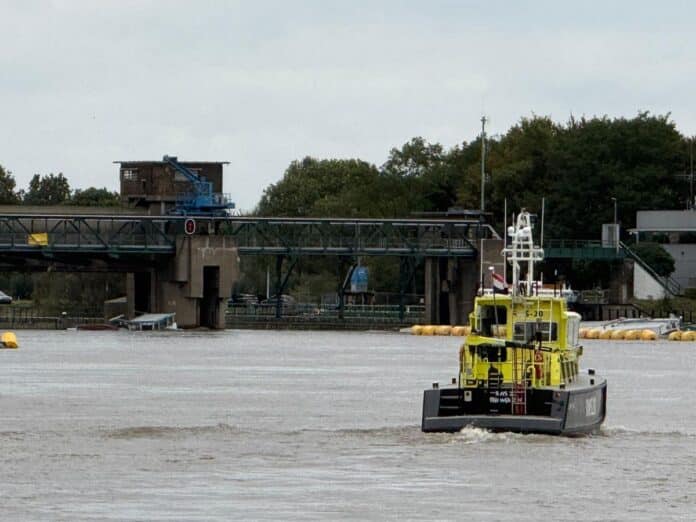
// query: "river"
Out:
[275,425]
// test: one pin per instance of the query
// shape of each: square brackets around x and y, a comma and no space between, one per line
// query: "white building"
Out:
[678,228]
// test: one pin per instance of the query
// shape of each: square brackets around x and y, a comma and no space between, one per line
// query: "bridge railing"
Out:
[313,312]
[669,284]
[296,236]
[363,236]
[595,249]
[112,234]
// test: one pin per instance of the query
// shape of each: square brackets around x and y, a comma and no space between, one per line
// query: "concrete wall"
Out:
[178,286]
[622,281]
[666,220]
[684,262]
[644,285]
[451,284]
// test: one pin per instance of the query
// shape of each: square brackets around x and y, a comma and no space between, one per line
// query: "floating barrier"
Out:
[606,334]
[617,335]
[675,336]
[9,340]
[584,333]
[593,333]
[688,336]
[461,331]
[648,335]
[632,335]
[428,330]
[443,329]
[440,329]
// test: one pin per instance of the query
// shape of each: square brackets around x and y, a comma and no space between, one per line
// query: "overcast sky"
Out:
[261,83]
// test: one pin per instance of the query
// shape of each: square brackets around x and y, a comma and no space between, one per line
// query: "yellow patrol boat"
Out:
[519,368]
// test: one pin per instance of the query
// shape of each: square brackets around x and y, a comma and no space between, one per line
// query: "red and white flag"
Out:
[499,284]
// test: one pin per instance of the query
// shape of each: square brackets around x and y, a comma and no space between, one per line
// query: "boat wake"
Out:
[161,432]
[624,431]
[472,435]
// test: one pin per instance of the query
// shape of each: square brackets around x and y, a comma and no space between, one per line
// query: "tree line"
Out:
[53,189]
[577,166]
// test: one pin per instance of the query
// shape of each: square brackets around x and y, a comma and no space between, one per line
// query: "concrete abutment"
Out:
[195,284]
[451,283]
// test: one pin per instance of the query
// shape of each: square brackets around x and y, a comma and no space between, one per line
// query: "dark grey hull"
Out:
[578,409]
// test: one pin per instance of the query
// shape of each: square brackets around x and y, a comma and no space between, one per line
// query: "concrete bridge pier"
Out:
[451,283]
[195,284]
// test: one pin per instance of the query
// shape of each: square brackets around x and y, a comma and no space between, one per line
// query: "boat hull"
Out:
[578,409]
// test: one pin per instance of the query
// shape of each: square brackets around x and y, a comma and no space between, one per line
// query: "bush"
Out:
[656,257]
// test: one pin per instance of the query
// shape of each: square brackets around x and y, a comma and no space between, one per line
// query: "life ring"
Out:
[538,363]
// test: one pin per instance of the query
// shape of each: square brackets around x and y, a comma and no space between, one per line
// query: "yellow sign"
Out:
[40,239]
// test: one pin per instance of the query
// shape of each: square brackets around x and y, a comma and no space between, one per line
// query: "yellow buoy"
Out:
[593,333]
[675,335]
[416,329]
[632,335]
[9,340]
[617,335]
[606,334]
[583,332]
[428,330]
[688,336]
[458,331]
[443,329]
[648,335]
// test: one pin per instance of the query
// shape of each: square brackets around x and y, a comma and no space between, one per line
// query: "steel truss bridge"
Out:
[122,238]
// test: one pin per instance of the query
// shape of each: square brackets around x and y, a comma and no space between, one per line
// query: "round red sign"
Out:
[190,226]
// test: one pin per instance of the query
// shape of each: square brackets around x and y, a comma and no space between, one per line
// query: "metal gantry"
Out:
[120,234]
[357,237]
[88,235]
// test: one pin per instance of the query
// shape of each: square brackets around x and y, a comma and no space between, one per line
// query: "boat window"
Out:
[526,331]
[491,315]
[492,353]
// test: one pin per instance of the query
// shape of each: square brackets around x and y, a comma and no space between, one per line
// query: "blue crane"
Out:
[202,201]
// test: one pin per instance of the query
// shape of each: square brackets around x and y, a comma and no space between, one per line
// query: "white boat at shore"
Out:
[662,326]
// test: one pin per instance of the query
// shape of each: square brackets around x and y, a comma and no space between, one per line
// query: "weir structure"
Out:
[188,265]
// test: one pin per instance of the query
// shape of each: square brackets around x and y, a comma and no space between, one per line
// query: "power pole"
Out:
[691,177]
[483,165]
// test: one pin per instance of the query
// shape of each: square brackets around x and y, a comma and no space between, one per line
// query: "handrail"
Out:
[669,284]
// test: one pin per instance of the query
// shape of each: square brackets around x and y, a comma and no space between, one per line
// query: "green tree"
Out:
[420,176]
[94,197]
[311,187]
[656,257]
[8,196]
[51,189]
[591,161]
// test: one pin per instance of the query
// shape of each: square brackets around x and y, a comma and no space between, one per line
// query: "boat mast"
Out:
[522,250]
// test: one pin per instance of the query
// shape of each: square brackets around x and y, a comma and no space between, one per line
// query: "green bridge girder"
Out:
[117,235]
[582,249]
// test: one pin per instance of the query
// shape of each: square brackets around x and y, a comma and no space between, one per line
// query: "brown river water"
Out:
[256,425]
